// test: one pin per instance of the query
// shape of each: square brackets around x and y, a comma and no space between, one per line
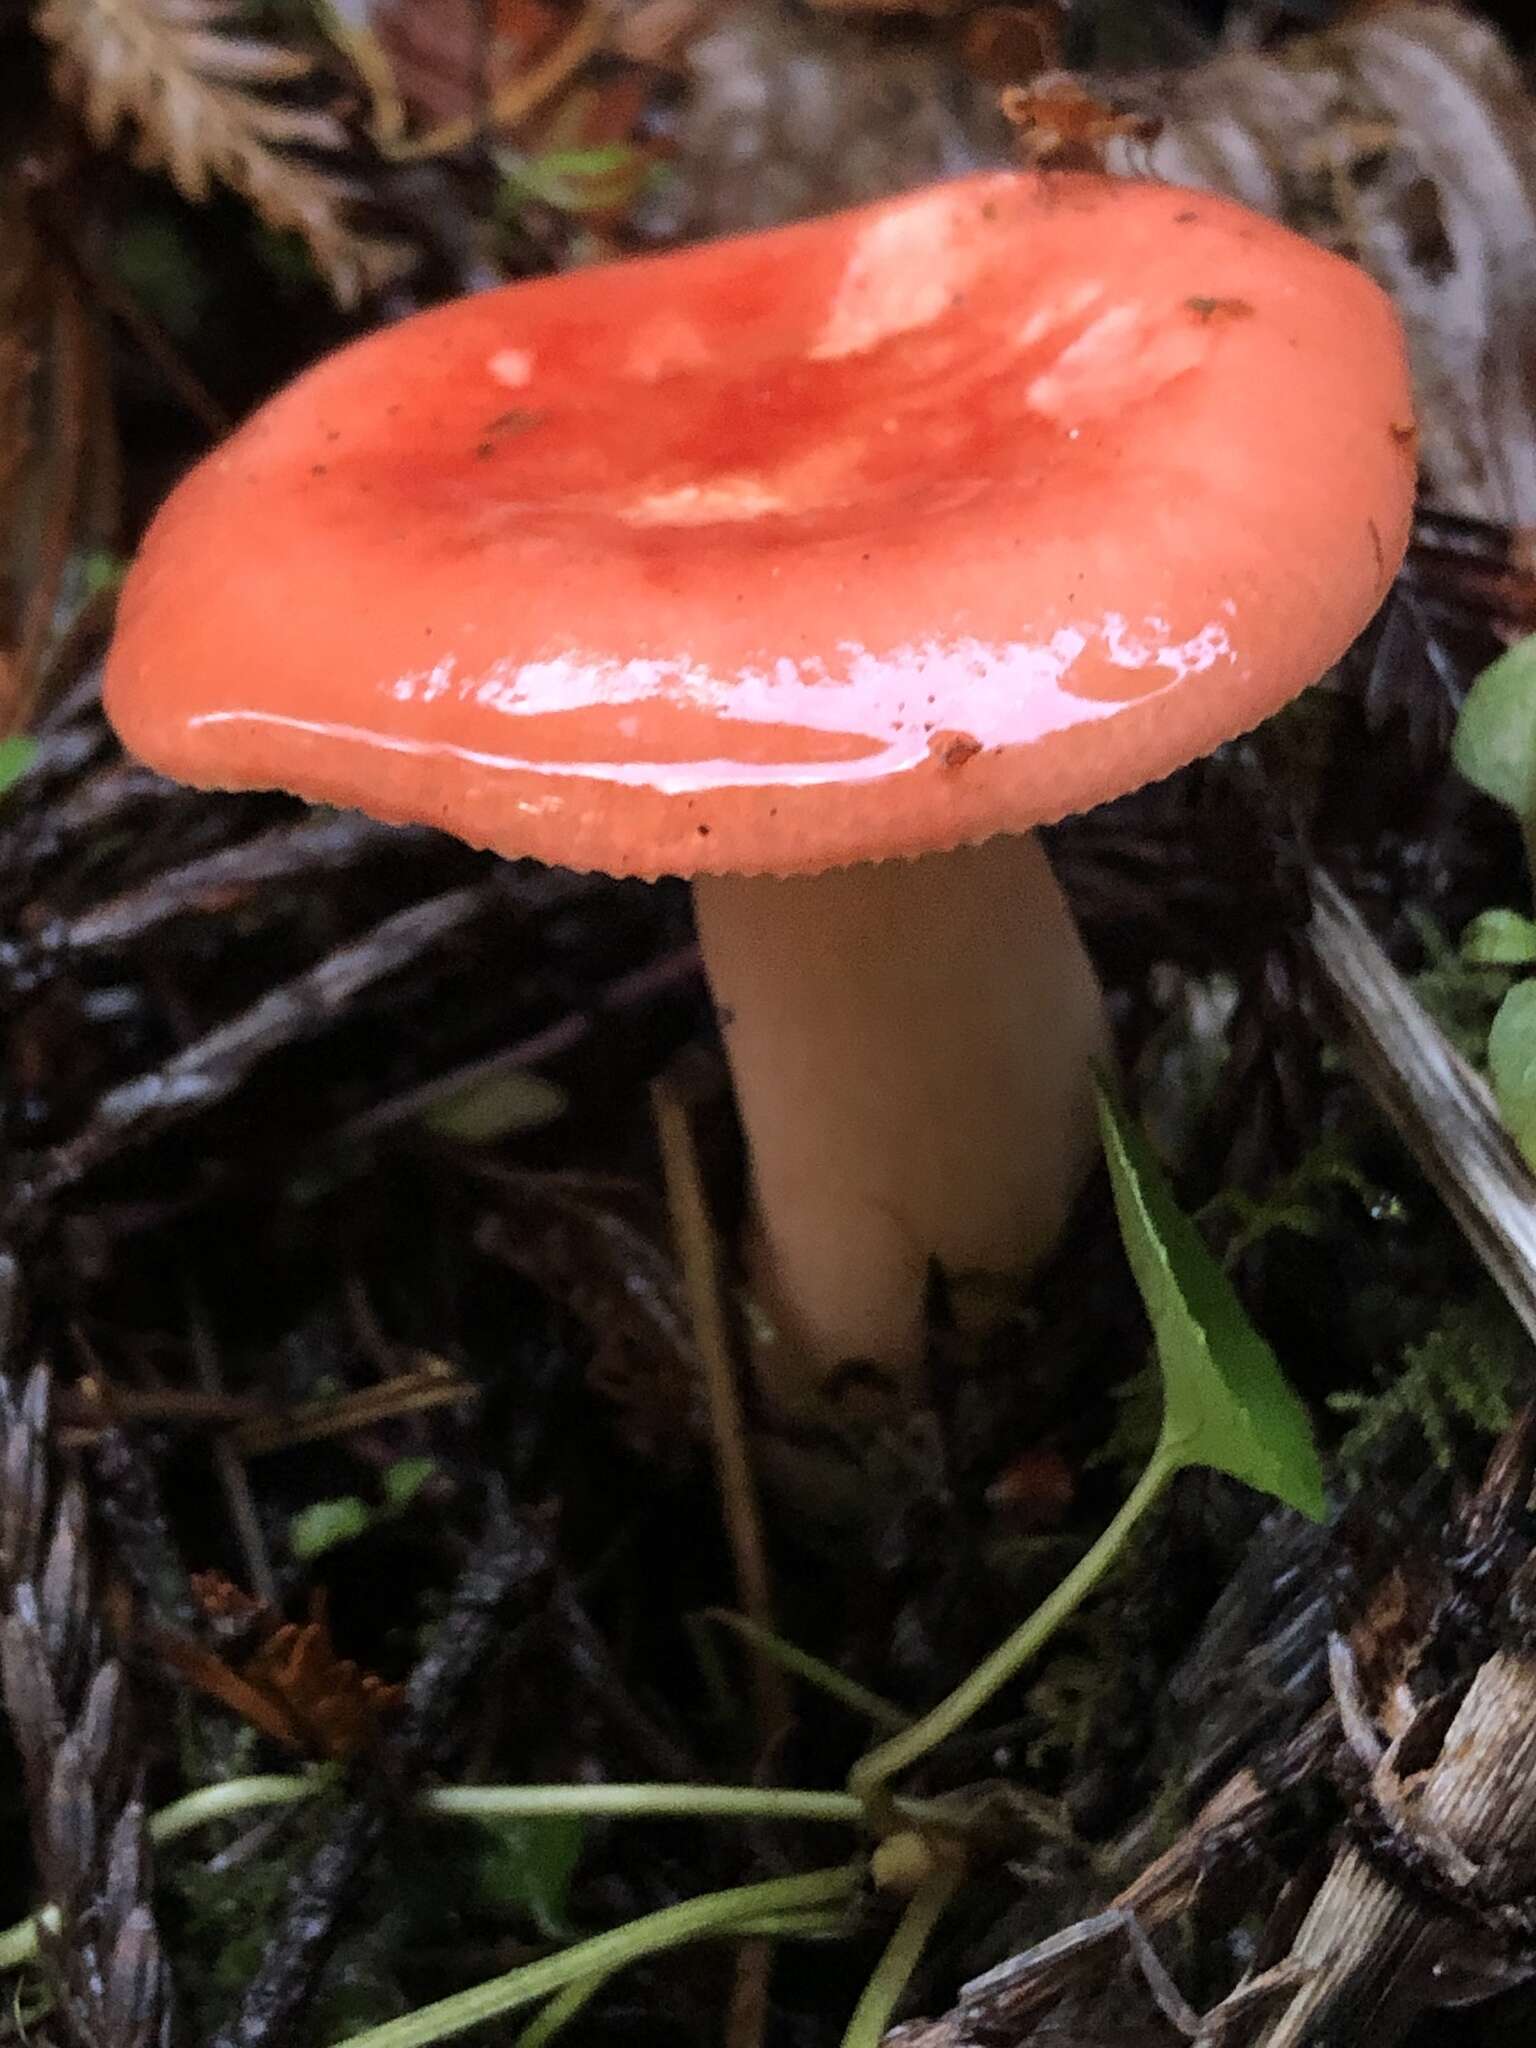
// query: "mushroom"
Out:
[819,566]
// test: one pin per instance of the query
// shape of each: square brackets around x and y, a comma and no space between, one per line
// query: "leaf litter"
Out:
[227,1024]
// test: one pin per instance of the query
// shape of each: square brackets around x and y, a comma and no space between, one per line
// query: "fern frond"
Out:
[199,93]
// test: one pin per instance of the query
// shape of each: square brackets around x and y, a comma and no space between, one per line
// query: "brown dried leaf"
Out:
[291,1685]
[1059,125]
[200,96]
[231,1612]
[452,57]
[444,73]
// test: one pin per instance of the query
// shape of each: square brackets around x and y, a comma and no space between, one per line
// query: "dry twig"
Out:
[734,1477]
[205,1072]
[735,1480]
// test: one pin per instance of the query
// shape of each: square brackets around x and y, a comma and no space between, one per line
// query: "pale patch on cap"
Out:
[512,367]
[729,498]
[1124,355]
[904,272]
[1071,305]
[664,346]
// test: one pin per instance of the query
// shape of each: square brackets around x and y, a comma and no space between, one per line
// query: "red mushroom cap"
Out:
[870,536]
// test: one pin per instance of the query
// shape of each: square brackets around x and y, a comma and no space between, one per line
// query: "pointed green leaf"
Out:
[1512,1065]
[1226,1403]
[1495,742]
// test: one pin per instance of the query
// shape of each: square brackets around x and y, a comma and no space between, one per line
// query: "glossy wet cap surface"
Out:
[943,517]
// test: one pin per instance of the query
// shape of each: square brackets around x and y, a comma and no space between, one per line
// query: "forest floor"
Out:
[355,1446]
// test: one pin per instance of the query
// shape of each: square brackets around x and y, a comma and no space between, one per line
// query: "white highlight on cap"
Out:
[1003,695]
[512,367]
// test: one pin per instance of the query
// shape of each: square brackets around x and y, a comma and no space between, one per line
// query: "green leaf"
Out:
[527,1866]
[496,1108]
[101,570]
[1512,1065]
[314,1530]
[1226,1403]
[573,181]
[16,757]
[1495,742]
[1499,938]
[403,1480]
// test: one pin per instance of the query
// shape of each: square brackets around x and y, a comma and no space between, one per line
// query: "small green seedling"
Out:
[326,1524]
[1226,1405]
[1495,748]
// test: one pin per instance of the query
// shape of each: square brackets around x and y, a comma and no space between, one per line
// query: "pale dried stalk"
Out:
[200,96]
[1002,2004]
[1442,1110]
[736,1482]
[1428,1902]
[1429,1897]
[698,1256]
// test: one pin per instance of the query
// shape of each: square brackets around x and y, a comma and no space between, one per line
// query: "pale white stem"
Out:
[912,1043]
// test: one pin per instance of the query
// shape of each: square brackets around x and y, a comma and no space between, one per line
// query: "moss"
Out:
[1466,1374]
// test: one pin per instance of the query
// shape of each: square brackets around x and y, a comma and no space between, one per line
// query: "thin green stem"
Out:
[872,1773]
[808,1922]
[229,1801]
[560,2011]
[233,1800]
[872,2014]
[716,1913]
[238,1797]
[801,1664]
[641,1802]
